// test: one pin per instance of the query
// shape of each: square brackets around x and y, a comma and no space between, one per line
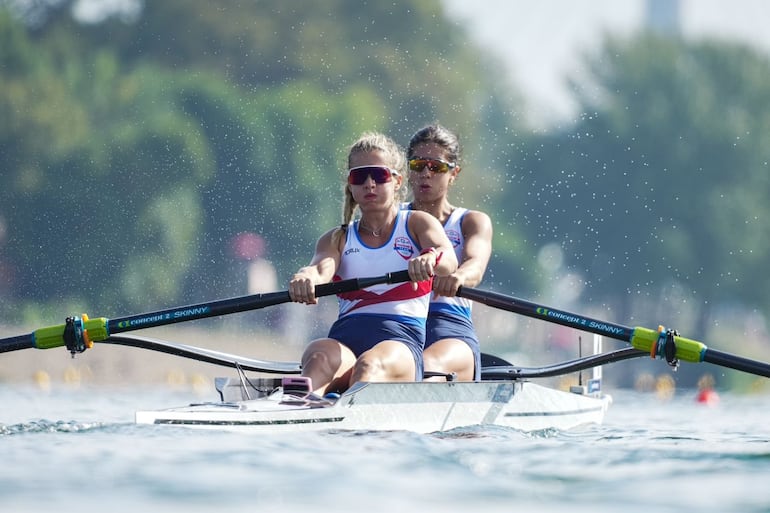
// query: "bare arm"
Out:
[429,233]
[477,233]
[320,270]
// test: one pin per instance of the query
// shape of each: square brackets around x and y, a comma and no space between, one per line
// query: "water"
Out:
[79,451]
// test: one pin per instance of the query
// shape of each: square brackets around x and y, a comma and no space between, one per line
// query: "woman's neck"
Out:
[378,224]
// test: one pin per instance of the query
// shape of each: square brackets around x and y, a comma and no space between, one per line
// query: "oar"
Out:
[79,333]
[660,342]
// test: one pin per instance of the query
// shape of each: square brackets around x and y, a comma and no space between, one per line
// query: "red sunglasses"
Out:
[380,174]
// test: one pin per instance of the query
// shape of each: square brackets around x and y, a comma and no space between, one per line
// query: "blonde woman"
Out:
[380,331]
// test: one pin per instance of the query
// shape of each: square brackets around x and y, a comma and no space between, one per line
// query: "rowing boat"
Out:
[505,396]
[424,407]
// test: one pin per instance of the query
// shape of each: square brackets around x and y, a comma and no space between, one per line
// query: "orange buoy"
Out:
[706,393]
[707,396]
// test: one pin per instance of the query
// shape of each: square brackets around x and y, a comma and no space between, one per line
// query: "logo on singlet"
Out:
[454,237]
[352,250]
[403,246]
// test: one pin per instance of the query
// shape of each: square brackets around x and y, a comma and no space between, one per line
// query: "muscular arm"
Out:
[477,233]
[321,269]
[429,233]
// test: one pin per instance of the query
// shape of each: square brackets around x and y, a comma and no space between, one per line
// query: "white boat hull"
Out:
[423,407]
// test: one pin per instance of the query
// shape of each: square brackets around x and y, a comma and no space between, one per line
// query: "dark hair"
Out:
[437,134]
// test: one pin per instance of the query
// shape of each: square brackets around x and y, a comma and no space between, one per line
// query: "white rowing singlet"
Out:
[397,301]
[453,228]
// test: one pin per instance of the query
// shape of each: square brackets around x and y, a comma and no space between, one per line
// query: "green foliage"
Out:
[90,155]
[137,150]
[658,185]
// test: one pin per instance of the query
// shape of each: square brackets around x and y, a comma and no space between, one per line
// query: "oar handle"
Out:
[340,287]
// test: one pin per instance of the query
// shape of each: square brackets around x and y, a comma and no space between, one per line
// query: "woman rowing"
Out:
[380,331]
[451,344]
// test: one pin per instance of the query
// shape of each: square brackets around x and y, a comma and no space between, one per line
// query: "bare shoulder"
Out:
[477,215]
[332,239]
[420,218]
[426,229]
[476,221]
[329,234]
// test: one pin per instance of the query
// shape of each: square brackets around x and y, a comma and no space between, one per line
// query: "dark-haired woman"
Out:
[451,344]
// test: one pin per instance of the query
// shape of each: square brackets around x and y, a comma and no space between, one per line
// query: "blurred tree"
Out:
[190,122]
[95,163]
[658,189]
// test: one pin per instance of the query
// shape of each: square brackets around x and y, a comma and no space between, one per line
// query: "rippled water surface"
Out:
[79,451]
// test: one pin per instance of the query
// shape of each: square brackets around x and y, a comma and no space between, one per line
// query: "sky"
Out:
[542,41]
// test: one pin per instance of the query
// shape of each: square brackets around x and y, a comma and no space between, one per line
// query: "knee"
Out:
[368,364]
[368,368]
[321,352]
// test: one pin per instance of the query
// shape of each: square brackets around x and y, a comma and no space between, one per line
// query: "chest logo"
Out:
[403,246]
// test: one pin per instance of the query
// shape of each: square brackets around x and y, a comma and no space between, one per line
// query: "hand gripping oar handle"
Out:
[79,333]
[658,343]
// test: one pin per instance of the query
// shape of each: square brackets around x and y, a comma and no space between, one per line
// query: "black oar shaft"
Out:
[736,362]
[197,311]
[657,343]
[546,313]
[241,304]
[101,328]
[16,343]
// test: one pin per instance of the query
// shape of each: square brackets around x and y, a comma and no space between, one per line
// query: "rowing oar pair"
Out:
[79,333]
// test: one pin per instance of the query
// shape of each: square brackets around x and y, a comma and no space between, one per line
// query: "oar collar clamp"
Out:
[666,346]
[75,336]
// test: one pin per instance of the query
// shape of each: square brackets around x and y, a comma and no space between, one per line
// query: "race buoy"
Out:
[706,393]
[707,396]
